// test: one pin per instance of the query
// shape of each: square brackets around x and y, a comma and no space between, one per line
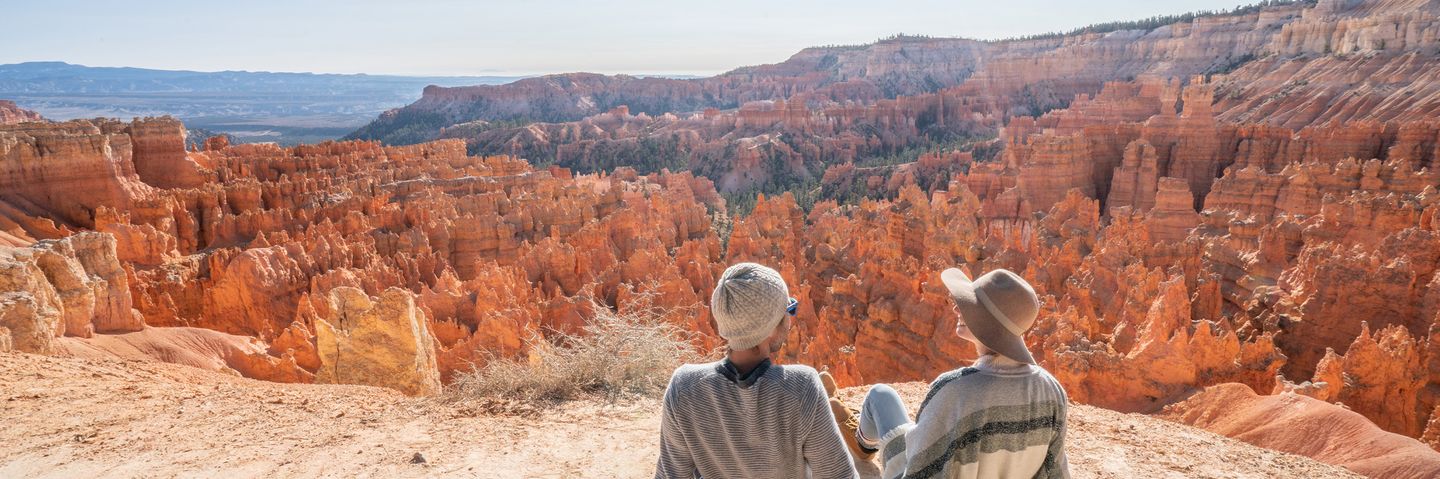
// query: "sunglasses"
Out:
[793,307]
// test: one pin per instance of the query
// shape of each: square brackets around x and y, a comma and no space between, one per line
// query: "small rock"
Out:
[417,459]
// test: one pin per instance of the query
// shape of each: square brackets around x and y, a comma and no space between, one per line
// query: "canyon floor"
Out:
[68,417]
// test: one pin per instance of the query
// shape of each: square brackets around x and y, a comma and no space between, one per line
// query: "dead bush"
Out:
[615,356]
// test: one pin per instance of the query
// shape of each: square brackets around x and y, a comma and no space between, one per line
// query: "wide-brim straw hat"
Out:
[997,307]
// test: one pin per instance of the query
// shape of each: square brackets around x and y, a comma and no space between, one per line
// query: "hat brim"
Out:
[979,320]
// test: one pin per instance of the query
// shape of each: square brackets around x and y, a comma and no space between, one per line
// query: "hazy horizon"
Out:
[512,38]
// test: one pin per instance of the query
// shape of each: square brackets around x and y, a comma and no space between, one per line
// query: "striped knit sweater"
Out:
[988,420]
[773,422]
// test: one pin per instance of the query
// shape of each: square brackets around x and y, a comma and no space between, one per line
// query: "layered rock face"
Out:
[383,341]
[65,172]
[70,287]
[1342,61]
[773,126]
[897,66]
[10,113]
[1015,76]
[159,154]
[761,143]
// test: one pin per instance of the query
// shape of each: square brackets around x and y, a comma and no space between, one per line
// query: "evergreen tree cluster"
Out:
[1158,21]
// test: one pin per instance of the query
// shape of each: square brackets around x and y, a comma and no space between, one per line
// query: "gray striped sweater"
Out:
[774,422]
[987,420]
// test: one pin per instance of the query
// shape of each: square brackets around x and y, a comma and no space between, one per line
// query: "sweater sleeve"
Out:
[824,450]
[931,427]
[934,426]
[1056,465]
[675,460]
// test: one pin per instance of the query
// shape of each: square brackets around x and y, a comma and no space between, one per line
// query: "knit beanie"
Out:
[748,302]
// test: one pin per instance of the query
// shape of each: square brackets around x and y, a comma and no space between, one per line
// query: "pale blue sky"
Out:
[454,37]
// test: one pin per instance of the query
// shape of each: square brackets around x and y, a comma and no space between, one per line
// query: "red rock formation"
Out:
[267,230]
[11,114]
[1277,259]
[1308,427]
[67,171]
[830,109]
[70,287]
[201,348]
[382,341]
[1136,179]
[1172,218]
[159,154]
[901,65]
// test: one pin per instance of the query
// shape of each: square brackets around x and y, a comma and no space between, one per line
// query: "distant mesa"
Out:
[222,102]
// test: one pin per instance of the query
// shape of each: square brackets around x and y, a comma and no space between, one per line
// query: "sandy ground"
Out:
[66,417]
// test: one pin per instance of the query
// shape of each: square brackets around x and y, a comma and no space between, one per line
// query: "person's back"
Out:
[1003,417]
[997,418]
[743,416]
[773,422]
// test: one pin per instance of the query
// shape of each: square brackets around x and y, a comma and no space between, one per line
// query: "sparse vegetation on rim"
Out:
[617,356]
[1158,21]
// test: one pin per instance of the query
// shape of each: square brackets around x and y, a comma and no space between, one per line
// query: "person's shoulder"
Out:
[799,377]
[949,383]
[1050,380]
[687,372]
[797,373]
[953,376]
[688,375]
[695,368]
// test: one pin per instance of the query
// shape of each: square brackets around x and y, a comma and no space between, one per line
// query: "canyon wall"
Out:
[776,128]
[10,113]
[1016,76]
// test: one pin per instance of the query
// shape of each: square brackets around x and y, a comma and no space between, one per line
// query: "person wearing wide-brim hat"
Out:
[1002,417]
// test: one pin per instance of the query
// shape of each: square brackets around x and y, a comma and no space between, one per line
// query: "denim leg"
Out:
[882,412]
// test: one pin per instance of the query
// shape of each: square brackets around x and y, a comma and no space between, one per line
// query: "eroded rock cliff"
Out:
[384,341]
[11,113]
[70,287]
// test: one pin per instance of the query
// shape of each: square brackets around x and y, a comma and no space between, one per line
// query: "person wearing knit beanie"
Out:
[748,303]
[743,416]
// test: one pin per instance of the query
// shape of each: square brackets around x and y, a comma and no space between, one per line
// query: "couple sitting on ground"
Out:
[1003,417]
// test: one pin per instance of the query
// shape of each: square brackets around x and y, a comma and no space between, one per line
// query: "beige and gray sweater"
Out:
[989,420]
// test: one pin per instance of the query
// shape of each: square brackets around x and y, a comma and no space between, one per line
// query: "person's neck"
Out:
[998,360]
[746,361]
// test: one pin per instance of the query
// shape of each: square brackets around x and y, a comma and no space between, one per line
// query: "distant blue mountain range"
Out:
[251,106]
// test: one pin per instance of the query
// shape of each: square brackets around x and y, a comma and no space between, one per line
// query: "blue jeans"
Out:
[881,413]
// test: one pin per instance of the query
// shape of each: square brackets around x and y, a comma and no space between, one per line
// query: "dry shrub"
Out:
[616,356]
